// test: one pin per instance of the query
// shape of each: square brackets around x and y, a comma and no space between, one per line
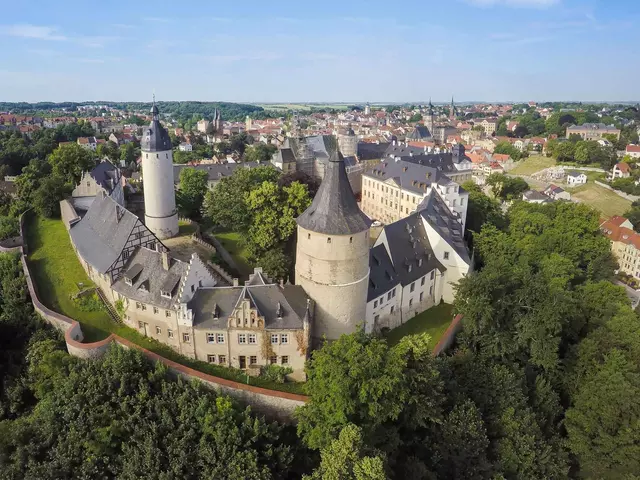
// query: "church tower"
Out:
[160,214]
[429,121]
[452,111]
[332,254]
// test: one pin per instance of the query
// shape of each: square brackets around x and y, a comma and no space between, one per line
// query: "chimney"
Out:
[166,262]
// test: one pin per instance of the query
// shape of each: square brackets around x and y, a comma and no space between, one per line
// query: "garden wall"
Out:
[449,336]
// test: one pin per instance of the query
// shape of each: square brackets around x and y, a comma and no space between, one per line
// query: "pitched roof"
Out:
[155,137]
[282,307]
[103,232]
[410,176]
[106,175]
[633,148]
[334,210]
[420,132]
[623,167]
[437,214]
[148,278]
[616,233]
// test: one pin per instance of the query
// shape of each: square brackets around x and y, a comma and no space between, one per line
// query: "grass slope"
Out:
[433,322]
[533,164]
[601,199]
[231,241]
[56,272]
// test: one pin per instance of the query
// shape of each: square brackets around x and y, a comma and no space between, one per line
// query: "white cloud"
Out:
[32,31]
[514,3]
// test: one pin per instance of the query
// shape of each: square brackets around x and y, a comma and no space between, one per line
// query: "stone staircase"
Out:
[112,311]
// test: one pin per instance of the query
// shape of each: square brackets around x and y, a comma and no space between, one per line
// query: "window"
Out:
[253,360]
[170,333]
[376,318]
[375,304]
[284,338]
[242,338]
[274,338]
[421,295]
[252,338]
[392,308]
[155,309]
[273,360]
[461,201]
[211,358]
[446,255]
[350,239]
[410,301]
[186,338]
[167,313]
[143,306]
[158,330]
[454,202]
[211,338]
[193,288]
[138,305]
[431,290]
[285,360]
[88,184]
[388,296]
[433,274]
[125,254]
[422,281]
[222,359]
[220,337]
[308,236]
[413,287]
[393,293]
[328,239]
[140,324]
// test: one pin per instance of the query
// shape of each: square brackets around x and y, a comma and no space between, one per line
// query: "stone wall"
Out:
[449,335]
[226,256]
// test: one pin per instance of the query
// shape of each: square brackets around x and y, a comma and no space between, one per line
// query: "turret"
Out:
[332,258]
[160,214]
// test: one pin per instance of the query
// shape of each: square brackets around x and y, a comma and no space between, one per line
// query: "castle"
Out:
[343,279]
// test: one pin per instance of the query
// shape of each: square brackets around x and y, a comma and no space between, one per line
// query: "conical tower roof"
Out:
[155,137]
[334,210]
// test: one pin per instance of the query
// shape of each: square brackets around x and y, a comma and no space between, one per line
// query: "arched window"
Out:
[328,239]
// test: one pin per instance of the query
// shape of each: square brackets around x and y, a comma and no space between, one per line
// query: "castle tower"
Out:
[160,214]
[332,254]
[348,142]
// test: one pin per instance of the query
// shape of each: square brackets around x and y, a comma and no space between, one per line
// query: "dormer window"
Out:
[165,294]
[420,262]
[409,268]
[128,281]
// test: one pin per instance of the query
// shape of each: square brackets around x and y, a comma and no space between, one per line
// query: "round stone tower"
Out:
[160,214]
[332,254]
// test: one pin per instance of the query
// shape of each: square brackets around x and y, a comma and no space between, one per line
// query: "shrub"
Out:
[89,303]
[275,373]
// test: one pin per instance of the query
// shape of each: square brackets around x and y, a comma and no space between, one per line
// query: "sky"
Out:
[329,51]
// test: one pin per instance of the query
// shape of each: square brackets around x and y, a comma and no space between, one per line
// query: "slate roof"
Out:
[285,155]
[155,137]
[265,297]
[435,211]
[382,275]
[334,210]
[106,175]
[407,175]
[534,195]
[100,236]
[421,132]
[372,151]
[146,269]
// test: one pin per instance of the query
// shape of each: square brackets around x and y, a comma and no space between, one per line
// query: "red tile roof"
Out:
[616,233]
[623,167]
[633,148]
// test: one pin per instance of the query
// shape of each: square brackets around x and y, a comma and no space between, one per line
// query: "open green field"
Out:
[301,107]
[56,271]
[532,164]
[433,322]
[58,275]
[231,241]
[601,199]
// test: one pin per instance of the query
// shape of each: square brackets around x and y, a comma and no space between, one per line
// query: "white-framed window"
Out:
[433,274]
[273,360]
[422,281]
[413,287]
[375,304]
[284,338]
[274,338]
[138,305]
[421,295]
[252,339]
[158,330]
[167,313]
[446,255]
[253,360]
[170,333]
[410,301]
[143,306]
[220,337]
[186,338]
[155,309]
[242,338]
[211,338]
[222,359]
[285,360]
[211,358]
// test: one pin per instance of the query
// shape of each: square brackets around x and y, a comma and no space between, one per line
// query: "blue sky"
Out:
[295,51]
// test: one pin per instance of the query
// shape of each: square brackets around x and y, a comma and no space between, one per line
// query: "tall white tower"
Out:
[332,254]
[160,214]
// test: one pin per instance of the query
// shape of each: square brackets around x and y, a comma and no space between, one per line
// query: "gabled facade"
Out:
[104,179]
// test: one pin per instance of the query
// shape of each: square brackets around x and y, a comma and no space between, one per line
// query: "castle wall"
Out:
[161,216]
[334,271]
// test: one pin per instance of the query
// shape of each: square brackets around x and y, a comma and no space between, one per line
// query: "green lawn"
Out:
[601,199]
[433,321]
[532,164]
[56,271]
[231,241]
[186,228]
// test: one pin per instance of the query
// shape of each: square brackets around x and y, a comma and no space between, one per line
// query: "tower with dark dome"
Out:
[332,254]
[160,214]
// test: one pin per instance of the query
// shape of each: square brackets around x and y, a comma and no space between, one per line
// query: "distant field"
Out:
[601,199]
[533,164]
[300,106]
